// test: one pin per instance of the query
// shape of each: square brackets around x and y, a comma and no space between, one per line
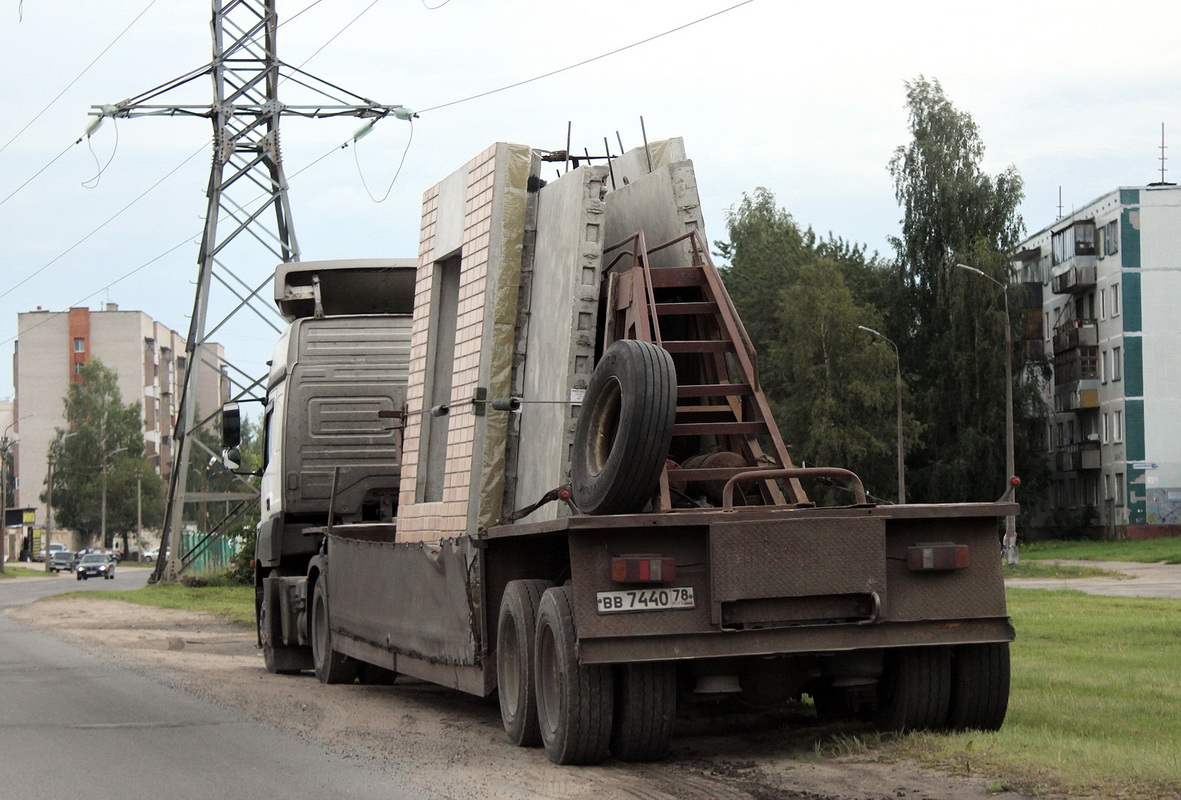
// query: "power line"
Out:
[79,77]
[109,220]
[589,60]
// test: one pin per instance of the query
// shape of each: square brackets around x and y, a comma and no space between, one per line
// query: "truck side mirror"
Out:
[231,459]
[231,426]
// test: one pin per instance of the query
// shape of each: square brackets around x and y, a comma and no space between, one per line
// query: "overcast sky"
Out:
[805,99]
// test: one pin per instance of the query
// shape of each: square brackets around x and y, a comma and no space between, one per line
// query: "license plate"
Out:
[645,600]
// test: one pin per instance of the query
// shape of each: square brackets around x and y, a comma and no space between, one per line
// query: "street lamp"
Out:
[898,384]
[1010,467]
[103,533]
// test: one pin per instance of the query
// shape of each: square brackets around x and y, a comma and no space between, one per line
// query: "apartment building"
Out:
[148,356]
[1111,275]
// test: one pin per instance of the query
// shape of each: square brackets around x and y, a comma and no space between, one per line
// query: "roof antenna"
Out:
[1059,202]
[1162,153]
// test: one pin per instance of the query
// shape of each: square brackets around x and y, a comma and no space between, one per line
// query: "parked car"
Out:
[53,548]
[61,561]
[150,555]
[100,565]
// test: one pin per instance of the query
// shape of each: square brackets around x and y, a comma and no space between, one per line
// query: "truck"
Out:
[536,462]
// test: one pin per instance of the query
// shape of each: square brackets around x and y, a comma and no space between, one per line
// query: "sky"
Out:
[804,99]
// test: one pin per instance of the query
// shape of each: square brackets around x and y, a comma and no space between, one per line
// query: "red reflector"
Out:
[643,569]
[937,557]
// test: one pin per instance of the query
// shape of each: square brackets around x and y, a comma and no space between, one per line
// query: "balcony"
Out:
[1076,395]
[1077,278]
[1076,333]
[1076,457]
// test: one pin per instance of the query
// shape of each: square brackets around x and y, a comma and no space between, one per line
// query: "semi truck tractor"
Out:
[536,462]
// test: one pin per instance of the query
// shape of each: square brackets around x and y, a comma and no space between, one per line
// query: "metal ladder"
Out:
[723,426]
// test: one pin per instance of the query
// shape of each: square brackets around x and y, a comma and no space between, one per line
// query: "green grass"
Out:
[1038,569]
[11,571]
[1146,551]
[232,603]
[1093,710]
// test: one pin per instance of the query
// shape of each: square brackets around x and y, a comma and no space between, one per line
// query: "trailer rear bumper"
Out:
[793,641]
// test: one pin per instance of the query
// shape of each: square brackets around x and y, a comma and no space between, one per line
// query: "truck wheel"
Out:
[573,700]
[279,660]
[516,630]
[980,686]
[331,666]
[915,689]
[645,708]
[624,430]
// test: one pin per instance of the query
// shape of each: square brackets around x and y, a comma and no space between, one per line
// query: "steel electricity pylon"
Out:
[246,186]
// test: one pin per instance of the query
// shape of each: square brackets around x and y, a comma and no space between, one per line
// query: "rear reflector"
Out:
[937,557]
[643,569]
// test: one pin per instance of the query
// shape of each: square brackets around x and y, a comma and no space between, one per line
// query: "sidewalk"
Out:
[1144,580]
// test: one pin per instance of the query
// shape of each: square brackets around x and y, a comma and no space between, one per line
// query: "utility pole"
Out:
[245,112]
[48,509]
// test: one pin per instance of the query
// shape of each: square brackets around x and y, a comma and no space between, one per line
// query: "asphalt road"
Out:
[1144,580]
[74,725]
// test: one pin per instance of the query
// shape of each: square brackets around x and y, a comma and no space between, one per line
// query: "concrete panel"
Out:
[634,164]
[663,204]
[559,337]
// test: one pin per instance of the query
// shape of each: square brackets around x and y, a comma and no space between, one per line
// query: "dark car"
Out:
[100,565]
[61,561]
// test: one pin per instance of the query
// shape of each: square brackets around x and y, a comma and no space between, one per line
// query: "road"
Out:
[1144,580]
[73,723]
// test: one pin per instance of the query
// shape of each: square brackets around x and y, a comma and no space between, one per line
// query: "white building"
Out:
[1111,276]
[148,356]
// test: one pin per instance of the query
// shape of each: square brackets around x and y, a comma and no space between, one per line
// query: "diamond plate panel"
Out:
[797,558]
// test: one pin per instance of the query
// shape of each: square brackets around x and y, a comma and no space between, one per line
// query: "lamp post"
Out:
[48,506]
[103,528]
[898,385]
[1010,467]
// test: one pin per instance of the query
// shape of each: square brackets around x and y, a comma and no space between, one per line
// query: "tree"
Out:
[102,445]
[948,322]
[802,299]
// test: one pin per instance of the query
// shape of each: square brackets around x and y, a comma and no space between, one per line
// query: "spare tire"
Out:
[624,430]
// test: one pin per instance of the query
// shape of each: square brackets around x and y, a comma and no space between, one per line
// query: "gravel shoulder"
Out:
[455,742]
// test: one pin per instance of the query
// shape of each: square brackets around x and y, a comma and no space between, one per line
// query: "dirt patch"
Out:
[454,743]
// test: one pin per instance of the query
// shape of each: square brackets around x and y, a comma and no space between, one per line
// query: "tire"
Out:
[278,659]
[574,701]
[645,709]
[624,430]
[979,687]
[79,576]
[516,629]
[331,666]
[915,689]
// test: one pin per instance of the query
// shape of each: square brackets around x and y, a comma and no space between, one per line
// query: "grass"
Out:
[1038,569]
[232,603]
[1145,551]
[11,571]
[1093,705]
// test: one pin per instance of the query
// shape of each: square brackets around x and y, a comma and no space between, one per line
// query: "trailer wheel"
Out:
[574,701]
[516,629]
[915,689]
[624,430]
[645,708]
[980,686]
[331,666]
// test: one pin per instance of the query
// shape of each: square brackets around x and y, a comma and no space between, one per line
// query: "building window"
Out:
[1111,240]
[1117,370]
[1103,368]
[79,345]
[1115,299]
[1119,488]
[1117,430]
[1102,304]
[78,367]
[1106,427]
